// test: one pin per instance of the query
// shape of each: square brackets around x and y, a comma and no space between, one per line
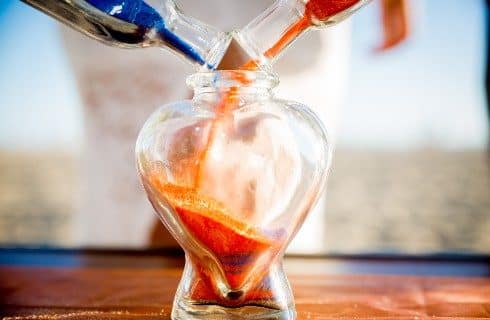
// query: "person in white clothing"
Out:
[120,88]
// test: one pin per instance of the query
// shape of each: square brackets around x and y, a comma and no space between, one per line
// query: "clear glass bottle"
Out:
[232,174]
[266,37]
[140,24]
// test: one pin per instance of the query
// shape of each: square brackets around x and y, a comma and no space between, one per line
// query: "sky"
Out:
[426,93]
[39,105]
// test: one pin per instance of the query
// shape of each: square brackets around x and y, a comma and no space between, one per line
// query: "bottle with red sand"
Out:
[233,179]
[265,38]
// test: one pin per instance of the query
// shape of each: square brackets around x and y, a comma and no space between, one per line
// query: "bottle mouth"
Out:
[232,78]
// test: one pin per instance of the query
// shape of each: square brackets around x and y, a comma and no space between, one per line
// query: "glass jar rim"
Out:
[232,78]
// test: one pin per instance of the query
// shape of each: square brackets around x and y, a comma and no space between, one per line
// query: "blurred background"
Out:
[411,167]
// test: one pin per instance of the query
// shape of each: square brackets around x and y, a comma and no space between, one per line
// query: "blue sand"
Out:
[139,13]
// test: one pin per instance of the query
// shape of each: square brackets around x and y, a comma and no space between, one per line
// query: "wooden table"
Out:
[60,284]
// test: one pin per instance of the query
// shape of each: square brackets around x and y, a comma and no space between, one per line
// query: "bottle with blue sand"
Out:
[139,24]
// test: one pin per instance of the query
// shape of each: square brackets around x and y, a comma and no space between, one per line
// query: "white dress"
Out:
[120,88]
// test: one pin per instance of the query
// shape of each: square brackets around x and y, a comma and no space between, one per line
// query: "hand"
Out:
[395,23]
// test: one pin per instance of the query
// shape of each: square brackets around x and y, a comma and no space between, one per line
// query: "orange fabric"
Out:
[395,21]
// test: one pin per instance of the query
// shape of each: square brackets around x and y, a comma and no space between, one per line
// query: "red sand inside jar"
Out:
[236,244]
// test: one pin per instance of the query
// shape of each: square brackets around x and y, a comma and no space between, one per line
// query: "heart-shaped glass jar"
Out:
[232,174]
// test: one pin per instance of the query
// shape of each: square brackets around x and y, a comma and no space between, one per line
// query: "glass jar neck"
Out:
[235,88]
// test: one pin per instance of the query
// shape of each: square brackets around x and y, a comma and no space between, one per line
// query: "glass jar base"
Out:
[215,312]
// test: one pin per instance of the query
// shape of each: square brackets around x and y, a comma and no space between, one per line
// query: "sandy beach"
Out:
[421,201]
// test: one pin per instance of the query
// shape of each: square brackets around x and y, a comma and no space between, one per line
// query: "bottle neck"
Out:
[233,98]
[223,91]
[270,33]
[191,39]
